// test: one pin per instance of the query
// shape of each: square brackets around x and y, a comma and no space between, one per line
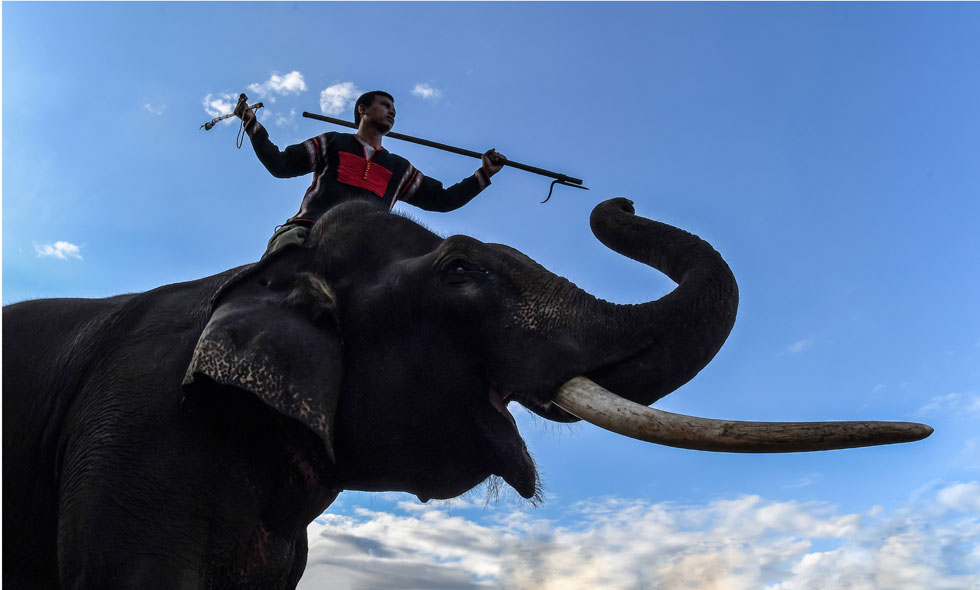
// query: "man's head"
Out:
[368,100]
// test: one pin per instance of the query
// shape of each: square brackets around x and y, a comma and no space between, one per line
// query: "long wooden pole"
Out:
[451,148]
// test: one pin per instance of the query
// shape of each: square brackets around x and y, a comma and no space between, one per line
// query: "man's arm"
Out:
[429,194]
[295,160]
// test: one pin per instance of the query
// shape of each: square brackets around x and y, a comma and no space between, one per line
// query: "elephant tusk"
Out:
[590,402]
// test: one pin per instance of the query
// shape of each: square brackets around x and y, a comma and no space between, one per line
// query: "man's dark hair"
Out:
[367,99]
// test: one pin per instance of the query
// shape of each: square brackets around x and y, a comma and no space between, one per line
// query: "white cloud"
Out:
[152,108]
[804,481]
[283,120]
[338,98]
[221,104]
[742,543]
[426,92]
[957,403]
[291,83]
[964,497]
[800,345]
[60,250]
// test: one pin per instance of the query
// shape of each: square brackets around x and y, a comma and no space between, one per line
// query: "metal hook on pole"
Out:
[563,182]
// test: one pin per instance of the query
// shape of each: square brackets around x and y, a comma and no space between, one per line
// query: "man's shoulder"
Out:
[321,140]
[390,154]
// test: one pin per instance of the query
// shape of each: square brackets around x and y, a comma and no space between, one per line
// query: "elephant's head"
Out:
[401,349]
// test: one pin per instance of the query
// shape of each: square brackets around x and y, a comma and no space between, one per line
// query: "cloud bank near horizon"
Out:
[744,543]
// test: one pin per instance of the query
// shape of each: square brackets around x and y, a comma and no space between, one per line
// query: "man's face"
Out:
[380,115]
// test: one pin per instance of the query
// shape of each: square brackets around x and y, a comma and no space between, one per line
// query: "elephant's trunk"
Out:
[655,347]
[651,349]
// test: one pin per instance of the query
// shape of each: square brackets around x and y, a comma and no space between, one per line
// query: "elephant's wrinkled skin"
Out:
[185,437]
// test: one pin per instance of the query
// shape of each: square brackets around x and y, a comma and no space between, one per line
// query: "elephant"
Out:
[377,356]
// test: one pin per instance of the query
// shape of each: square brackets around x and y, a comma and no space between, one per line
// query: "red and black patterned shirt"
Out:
[343,171]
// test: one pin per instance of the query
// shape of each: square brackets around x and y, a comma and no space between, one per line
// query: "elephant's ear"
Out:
[273,332]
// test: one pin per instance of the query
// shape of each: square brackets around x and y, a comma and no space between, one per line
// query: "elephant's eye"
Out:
[460,269]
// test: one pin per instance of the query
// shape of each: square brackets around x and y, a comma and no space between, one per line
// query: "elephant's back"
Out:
[36,337]
[58,356]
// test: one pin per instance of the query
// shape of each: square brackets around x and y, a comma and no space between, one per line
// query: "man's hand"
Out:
[493,161]
[241,109]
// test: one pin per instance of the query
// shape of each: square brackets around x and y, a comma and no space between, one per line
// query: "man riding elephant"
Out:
[349,167]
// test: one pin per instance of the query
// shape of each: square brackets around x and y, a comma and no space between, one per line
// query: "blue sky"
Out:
[829,152]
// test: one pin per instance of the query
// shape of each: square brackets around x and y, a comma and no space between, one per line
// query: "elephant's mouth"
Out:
[498,399]
[510,457]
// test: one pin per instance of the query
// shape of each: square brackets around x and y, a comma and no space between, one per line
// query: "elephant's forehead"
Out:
[373,238]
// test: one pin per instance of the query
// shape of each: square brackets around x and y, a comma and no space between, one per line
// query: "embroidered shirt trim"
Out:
[357,171]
